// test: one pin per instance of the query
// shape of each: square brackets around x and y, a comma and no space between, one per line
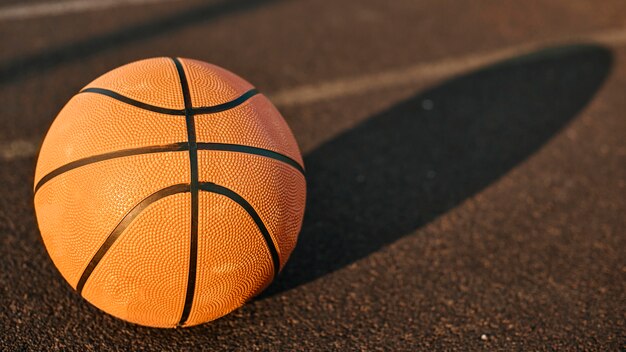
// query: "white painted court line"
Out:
[429,71]
[18,149]
[419,73]
[25,11]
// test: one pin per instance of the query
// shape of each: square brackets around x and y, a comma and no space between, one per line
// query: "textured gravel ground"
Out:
[476,209]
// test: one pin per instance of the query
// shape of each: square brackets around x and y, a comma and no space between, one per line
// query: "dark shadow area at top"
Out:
[403,167]
[40,62]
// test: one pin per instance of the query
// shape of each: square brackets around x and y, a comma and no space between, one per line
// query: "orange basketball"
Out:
[169,192]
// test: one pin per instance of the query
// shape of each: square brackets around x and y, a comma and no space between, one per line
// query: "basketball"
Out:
[169,191]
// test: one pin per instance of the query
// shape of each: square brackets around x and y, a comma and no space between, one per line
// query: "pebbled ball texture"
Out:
[162,215]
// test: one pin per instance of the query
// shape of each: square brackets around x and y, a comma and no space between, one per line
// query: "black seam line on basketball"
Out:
[175,147]
[214,188]
[252,150]
[123,225]
[177,112]
[133,102]
[226,106]
[193,164]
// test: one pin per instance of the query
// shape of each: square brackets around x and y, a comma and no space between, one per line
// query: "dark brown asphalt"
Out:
[489,203]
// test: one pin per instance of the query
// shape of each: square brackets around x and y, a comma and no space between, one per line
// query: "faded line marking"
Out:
[428,71]
[17,149]
[20,12]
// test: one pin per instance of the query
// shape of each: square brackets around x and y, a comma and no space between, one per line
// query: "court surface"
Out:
[466,167]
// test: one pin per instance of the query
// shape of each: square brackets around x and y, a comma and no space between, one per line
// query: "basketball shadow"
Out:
[403,167]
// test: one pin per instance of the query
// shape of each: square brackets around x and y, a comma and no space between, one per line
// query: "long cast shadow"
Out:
[40,62]
[405,166]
